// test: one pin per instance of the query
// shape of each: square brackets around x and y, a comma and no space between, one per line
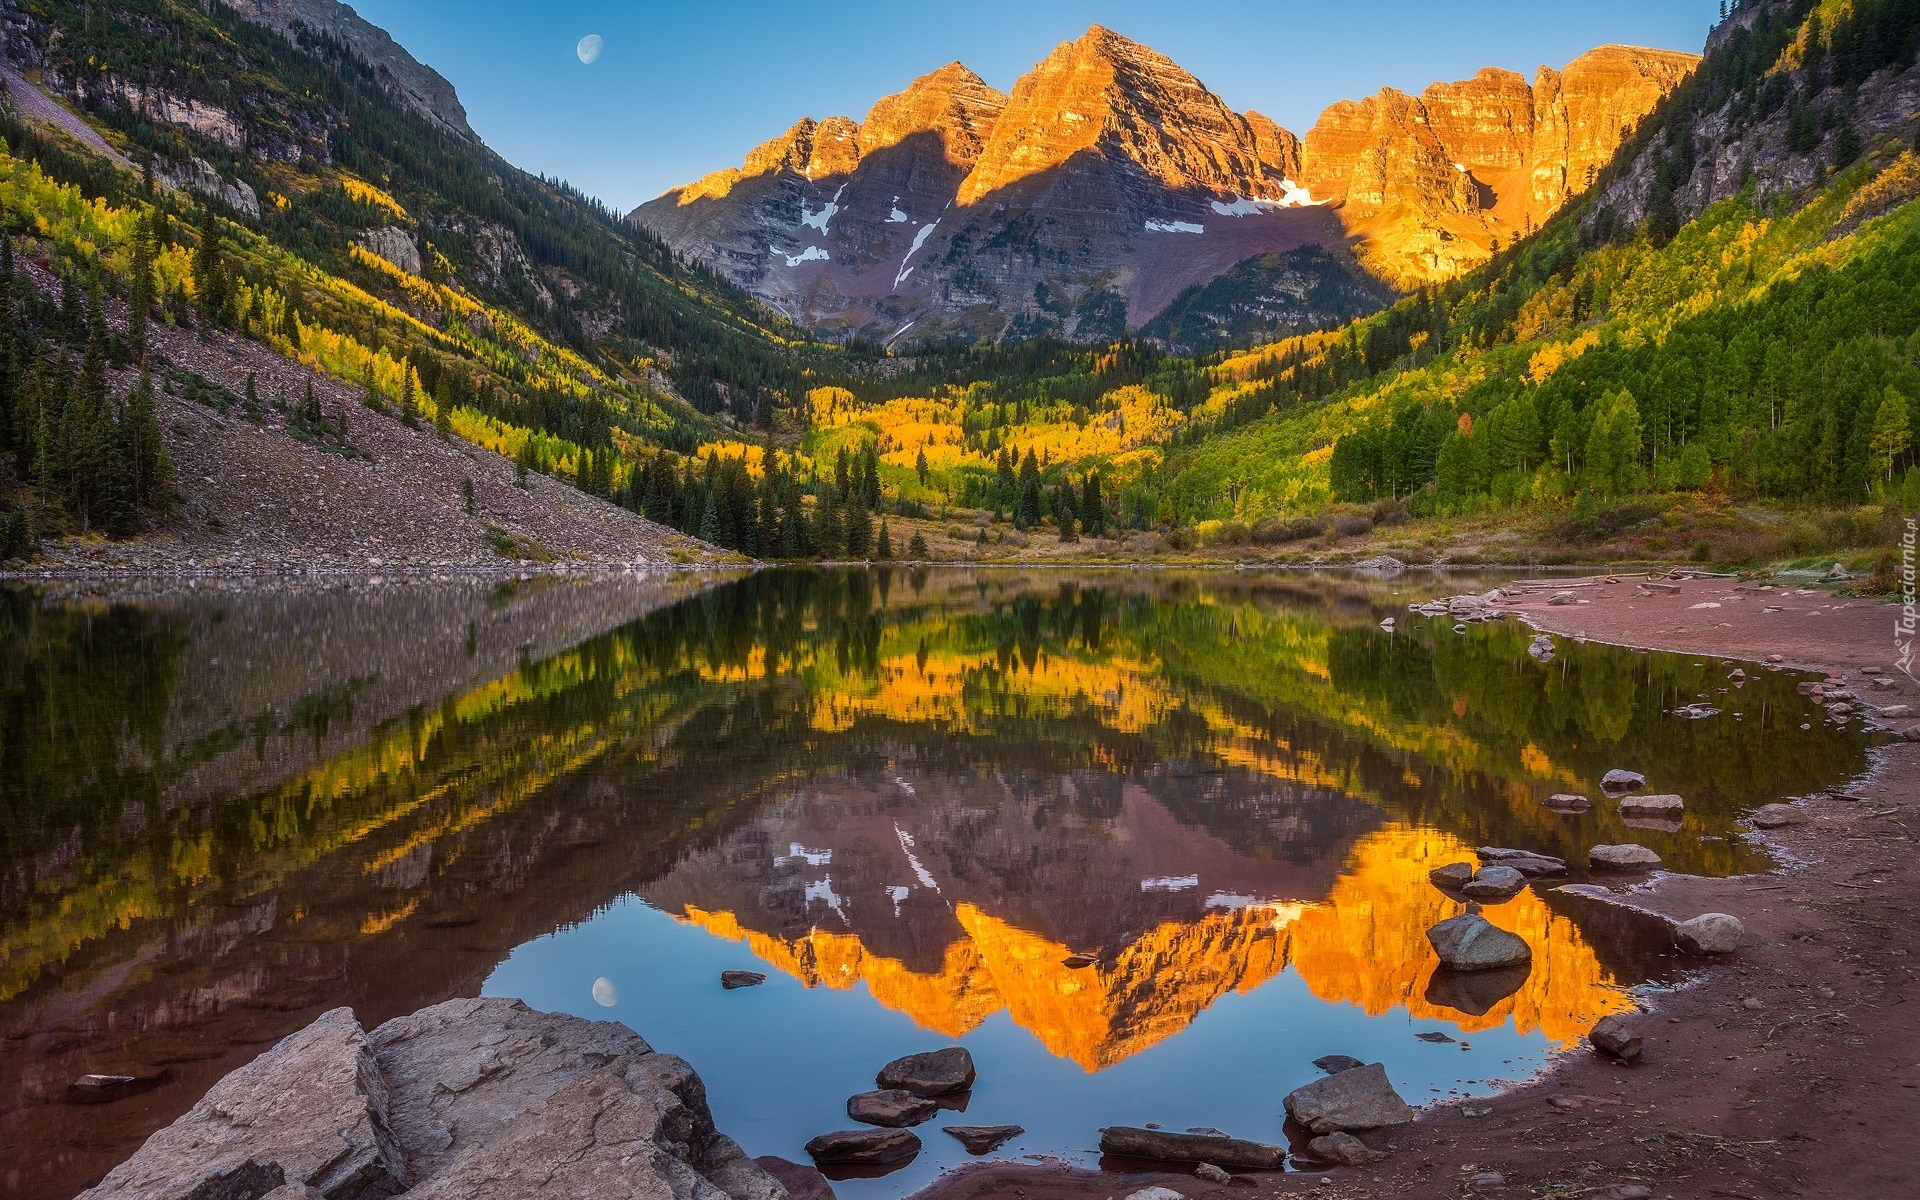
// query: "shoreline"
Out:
[1696,1119]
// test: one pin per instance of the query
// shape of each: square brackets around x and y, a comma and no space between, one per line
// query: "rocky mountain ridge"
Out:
[1111,181]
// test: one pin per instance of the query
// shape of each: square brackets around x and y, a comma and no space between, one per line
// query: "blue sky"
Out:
[684,88]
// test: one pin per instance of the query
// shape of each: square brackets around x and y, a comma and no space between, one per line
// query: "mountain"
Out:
[1112,181]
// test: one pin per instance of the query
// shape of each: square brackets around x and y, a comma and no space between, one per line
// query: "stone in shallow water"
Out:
[864,1147]
[1473,943]
[893,1107]
[1475,992]
[1333,1064]
[1624,857]
[731,980]
[1348,1102]
[1191,1147]
[1709,933]
[1345,1149]
[1212,1174]
[1669,807]
[1495,882]
[934,1073]
[984,1139]
[1617,781]
[1451,877]
[1567,802]
[1777,816]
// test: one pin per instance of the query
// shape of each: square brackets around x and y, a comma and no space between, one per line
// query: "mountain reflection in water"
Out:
[221,814]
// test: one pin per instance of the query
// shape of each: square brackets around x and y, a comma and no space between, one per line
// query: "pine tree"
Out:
[252,399]
[917,547]
[859,530]
[709,531]
[1093,507]
[466,495]
[884,551]
[210,286]
[149,467]
[920,466]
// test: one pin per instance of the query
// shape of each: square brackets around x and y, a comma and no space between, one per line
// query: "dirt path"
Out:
[1789,1069]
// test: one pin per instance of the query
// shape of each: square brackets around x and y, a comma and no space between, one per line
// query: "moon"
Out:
[604,993]
[589,48]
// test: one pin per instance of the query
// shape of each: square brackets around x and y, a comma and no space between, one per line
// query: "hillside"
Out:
[1112,187]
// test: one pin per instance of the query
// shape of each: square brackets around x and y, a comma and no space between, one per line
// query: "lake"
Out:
[908,797]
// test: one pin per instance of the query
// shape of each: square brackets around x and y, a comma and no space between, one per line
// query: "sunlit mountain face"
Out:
[1147,843]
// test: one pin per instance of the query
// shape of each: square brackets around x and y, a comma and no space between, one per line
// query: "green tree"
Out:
[920,465]
[1093,506]
[884,550]
[140,285]
[1892,434]
[211,287]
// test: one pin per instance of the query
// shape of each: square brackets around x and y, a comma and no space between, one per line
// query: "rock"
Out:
[1496,882]
[1155,1193]
[394,244]
[1451,877]
[1191,1147]
[801,1181]
[1614,1037]
[1659,807]
[934,1073]
[984,1139]
[1475,992]
[741,979]
[894,1107]
[1777,816]
[1436,1037]
[1501,854]
[1351,1101]
[312,1110]
[1627,857]
[1912,735]
[1561,599]
[1077,962]
[1488,1179]
[1345,1149]
[105,1089]
[1568,803]
[864,1147]
[1753,1004]
[1776,659]
[490,1097]
[1709,933]
[1531,867]
[1617,781]
[1896,712]
[1472,943]
[1212,1174]
[1333,1064]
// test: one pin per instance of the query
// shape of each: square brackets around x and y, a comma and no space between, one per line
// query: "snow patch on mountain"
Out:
[1174,227]
[810,254]
[819,219]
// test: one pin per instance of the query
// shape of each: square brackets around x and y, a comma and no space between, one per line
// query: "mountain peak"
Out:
[952,103]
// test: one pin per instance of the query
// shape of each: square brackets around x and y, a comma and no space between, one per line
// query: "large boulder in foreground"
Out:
[1709,934]
[467,1098]
[1349,1102]
[935,1073]
[1472,943]
[1191,1147]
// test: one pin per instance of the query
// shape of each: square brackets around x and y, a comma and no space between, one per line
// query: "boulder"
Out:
[1561,599]
[1333,1064]
[1614,1037]
[312,1110]
[1501,854]
[1616,781]
[1665,807]
[865,1147]
[1212,1174]
[1896,712]
[1627,857]
[1451,877]
[984,1139]
[1776,816]
[1531,867]
[1191,1147]
[1495,882]
[1345,1149]
[894,1107]
[934,1073]
[741,979]
[801,1181]
[1567,802]
[1351,1101]
[1709,934]
[1155,1193]
[466,1098]
[1472,943]
[105,1089]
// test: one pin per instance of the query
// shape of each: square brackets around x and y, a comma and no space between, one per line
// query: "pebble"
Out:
[1752,1004]
[1489,1179]
[1212,1174]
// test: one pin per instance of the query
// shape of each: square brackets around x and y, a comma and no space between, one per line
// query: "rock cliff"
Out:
[1112,181]
[467,1098]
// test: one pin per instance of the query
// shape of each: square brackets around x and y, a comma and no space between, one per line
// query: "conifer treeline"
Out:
[96,461]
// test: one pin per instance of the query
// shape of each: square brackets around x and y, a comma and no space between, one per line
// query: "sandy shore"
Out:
[1790,1068]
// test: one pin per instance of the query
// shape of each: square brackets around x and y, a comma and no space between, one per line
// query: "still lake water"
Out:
[905,796]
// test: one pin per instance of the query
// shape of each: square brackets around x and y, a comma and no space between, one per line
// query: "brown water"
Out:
[906,796]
